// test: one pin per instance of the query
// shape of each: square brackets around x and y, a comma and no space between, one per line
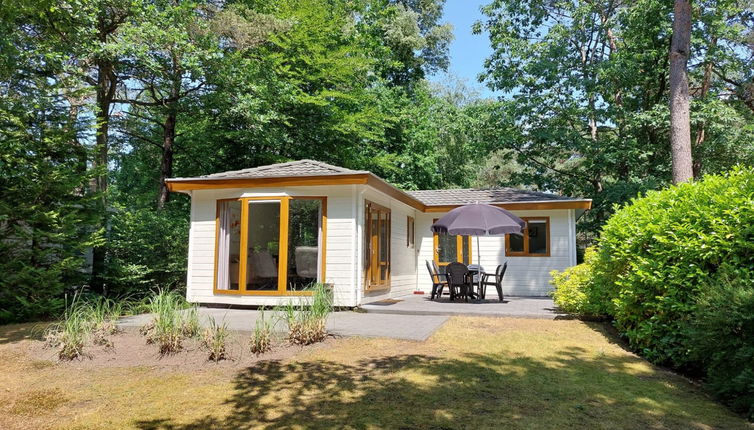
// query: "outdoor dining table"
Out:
[475,271]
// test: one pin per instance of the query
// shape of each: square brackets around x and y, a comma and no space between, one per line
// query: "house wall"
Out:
[341,243]
[525,276]
[402,257]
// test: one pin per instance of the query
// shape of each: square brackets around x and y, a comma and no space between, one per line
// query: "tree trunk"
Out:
[166,165]
[700,133]
[680,119]
[104,96]
[168,137]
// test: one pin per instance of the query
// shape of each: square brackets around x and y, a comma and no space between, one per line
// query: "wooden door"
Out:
[377,247]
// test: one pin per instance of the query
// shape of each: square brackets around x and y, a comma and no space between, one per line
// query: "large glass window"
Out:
[304,243]
[535,241]
[263,245]
[269,246]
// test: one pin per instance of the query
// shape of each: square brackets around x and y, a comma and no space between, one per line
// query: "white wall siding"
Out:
[525,276]
[339,267]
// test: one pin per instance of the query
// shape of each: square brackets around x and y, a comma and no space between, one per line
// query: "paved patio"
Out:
[410,327]
[519,307]
[412,317]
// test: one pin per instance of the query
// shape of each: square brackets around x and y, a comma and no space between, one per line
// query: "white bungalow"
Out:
[259,235]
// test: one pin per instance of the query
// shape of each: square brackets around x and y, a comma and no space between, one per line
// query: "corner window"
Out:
[535,241]
[271,246]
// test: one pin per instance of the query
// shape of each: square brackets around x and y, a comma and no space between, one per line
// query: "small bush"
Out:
[721,339]
[174,319]
[306,321]
[103,314]
[70,334]
[214,340]
[261,338]
[574,288]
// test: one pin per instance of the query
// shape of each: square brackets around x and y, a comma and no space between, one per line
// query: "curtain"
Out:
[223,247]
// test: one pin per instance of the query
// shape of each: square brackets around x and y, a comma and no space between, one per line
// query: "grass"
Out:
[174,320]
[82,322]
[472,373]
[306,320]
[261,338]
[214,340]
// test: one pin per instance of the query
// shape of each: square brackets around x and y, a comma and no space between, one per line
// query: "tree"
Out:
[680,117]
[175,49]
[46,214]
[587,109]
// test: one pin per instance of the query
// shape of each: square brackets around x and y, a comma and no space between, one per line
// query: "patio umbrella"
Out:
[479,220]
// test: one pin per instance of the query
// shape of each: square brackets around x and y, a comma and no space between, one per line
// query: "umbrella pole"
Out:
[479,262]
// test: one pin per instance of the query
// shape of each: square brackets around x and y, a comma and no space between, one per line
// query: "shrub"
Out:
[146,247]
[306,321]
[70,334]
[657,252]
[721,340]
[214,340]
[574,288]
[173,320]
[92,320]
[102,314]
[261,338]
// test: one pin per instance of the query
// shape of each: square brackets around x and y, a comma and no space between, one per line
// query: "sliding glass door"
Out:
[269,245]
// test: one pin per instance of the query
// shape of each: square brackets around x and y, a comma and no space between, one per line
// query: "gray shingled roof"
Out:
[293,168]
[471,195]
[427,197]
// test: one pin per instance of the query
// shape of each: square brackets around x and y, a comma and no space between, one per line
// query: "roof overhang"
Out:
[529,205]
[186,185]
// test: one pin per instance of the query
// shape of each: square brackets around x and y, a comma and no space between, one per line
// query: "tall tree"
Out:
[587,104]
[680,116]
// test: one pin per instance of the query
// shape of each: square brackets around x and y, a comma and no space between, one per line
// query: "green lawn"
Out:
[473,373]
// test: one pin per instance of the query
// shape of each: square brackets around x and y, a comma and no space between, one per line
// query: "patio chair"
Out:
[458,280]
[438,281]
[496,280]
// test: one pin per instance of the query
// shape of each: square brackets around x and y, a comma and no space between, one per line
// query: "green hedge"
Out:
[662,259]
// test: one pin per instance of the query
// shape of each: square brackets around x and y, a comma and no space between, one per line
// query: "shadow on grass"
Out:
[17,332]
[570,389]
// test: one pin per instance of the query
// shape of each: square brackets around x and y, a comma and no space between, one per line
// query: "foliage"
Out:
[587,83]
[45,221]
[657,253]
[85,320]
[720,339]
[575,286]
[173,320]
[306,319]
[214,339]
[261,337]
[674,271]
[146,248]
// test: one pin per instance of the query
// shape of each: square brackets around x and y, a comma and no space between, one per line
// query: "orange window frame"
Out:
[459,248]
[525,252]
[282,245]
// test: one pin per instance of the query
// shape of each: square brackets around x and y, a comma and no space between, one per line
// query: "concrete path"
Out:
[410,327]
[519,307]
